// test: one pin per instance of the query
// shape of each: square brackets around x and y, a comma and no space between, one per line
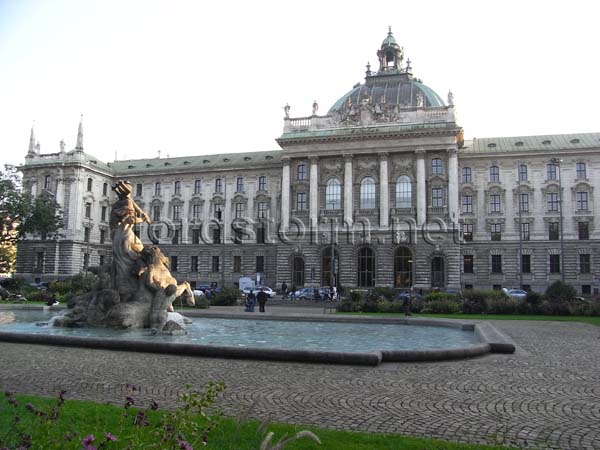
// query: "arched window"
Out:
[403,192]
[367,193]
[495,174]
[366,267]
[333,195]
[436,166]
[297,271]
[403,275]
[327,267]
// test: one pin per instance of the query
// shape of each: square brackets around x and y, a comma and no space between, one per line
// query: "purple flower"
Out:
[140,419]
[129,401]
[87,440]
[184,445]
[30,407]
[110,437]
[153,405]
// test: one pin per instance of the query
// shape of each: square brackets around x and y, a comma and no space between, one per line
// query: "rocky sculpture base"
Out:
[103,308]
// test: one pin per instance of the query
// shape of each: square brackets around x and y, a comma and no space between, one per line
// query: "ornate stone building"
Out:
[382,190]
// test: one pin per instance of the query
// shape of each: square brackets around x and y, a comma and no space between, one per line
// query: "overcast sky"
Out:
[192,77]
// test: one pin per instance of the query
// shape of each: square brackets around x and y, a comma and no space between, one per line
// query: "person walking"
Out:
[250,301]
[284,291]
[317,295]
[262,300]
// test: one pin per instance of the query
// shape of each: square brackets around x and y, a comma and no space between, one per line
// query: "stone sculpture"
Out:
[138,291]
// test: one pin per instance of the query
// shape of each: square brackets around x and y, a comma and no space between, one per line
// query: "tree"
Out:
[44,218]
[14,207]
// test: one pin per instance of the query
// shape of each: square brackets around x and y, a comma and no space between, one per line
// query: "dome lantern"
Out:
[390,54]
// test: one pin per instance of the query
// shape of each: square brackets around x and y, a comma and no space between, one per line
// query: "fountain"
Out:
[138,290]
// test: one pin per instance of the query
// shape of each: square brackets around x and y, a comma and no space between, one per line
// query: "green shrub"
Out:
[560,292]
[82,282]
[385,293]
[349,306]
[356,296]
[534,298]
[228,296]
[202,302]
[372,303]
[555,308]
[441,307]
[440,297]
[60,287]
[501,305]
[477,301]
[14,285]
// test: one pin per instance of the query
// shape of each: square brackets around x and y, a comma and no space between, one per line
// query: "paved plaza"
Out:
[546,395]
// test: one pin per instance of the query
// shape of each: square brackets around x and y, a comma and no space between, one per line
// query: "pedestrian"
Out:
[316,295]
[262,300]
[331,293]
[52,300]
[293,292]
[250,301]
[408,301]
[283,291]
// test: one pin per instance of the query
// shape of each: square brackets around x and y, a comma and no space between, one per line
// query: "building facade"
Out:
[382,190]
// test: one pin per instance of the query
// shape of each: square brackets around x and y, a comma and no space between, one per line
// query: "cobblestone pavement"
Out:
[546,395]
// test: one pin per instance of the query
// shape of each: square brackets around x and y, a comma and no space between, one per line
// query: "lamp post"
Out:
[557,161]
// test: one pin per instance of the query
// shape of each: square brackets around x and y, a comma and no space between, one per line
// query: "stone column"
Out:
[453,185]
[384,191]
[421,188]
[285,195]
[314,191]
[348,209]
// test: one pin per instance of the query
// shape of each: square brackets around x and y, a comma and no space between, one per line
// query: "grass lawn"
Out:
[583,319]
[87,418]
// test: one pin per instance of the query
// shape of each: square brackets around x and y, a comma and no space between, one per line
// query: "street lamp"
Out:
[557,161]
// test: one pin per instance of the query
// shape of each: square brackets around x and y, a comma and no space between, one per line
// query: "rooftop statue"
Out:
[139,290]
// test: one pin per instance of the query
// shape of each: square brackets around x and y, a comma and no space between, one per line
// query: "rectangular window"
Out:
[138,190]
[468,263]
[586,289]
[177,188]
[215,264]
[526,263]
[239,210]
[176,236]
[301,172]
[197,186]
[495,203]
[522,172]
[583,230]
[495,174]
[496,231]
[216,235]
[552,201]
[584,263]
[262,183]
[40,262]
[196,211]
[524,202]
[194,264]
[301,201]
[101,260]
[174,263]
[47,182]
[237,264]
[156,213]
[525,231]
[195,236]
[262,210]
[103,213]
[554,263]
[89,184]
[88,210]
[553,231]
[157,189]
[176,212]
[552,172]
[260,264]
[581,199]
[102,236]
[496,263]
[218,211]
[218,185]
[239,186]
[581,171]
[467,230]
[86,261]
[105,189]
[437,197]
[86,234]
[467,204]
[260,235]
[436,166]
[467,175]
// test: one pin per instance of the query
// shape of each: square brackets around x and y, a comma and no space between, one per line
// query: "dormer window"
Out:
[546,142]
[519,144]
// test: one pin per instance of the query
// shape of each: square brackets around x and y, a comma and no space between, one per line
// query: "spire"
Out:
[79,145]
[31,151]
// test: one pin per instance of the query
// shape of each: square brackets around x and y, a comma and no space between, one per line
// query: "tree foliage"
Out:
[44,218]
[14,207]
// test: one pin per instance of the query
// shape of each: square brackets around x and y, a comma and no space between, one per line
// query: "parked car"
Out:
[518,294]
[308,293]
[270,292]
